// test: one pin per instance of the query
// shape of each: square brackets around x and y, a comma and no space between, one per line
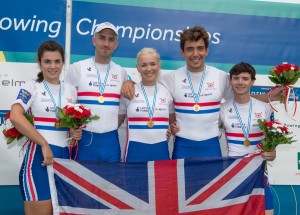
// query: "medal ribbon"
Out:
[150,110]
[52,99]
[196,96]
[245,132]
[101,87]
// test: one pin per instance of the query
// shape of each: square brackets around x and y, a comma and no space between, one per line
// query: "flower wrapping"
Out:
[75,116]
[10,132]
[285,75]
[275,133]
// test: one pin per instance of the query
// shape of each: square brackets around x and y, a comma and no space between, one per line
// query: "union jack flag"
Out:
[211,186]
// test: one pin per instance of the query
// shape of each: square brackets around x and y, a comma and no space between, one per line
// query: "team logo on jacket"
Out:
[69,100]
[210,85]
[24,96]
[44,93]
[89,69]
[230,110]
[163,100]
[141,109]
[50,109]
[184,80]
[188,95]
[114,77]
[137,95]
[95,83]
[236,125]
[258,115]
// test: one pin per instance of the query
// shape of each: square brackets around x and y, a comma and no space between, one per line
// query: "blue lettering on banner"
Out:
[2,116]
[264,89]
[253,39]
[28,23]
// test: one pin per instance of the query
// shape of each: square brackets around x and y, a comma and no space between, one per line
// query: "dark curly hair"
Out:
[194,34]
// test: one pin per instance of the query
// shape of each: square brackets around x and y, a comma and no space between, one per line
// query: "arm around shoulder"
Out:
[128,89]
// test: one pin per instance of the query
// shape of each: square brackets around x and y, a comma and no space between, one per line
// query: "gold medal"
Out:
[196,107]
[101,99]
[150,123]
[57,124]
[247,142]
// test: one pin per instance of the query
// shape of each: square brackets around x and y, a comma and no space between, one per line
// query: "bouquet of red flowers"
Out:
[275,133]
[285,75]
[74,116]
[10,132]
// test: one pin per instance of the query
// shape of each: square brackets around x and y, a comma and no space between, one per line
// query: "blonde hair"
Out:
[148,51]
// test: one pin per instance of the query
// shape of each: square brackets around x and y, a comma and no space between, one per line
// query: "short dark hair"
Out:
[194,34]
[242,67]
[48,45]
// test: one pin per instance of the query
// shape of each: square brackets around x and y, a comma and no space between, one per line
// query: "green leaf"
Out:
[274,80]
[295,79]
[291,75]
[9,140]
[95,117]
[20,137]
[285,74]
[274,74]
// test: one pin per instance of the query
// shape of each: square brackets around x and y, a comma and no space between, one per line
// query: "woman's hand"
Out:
[47,154]
[76,134]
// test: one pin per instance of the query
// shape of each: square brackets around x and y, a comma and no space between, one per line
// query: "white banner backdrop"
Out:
[10,155]
[284,170]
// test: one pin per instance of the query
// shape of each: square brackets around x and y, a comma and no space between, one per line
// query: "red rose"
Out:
[70,110]
[287,67]
[278,69]
[284,129]
[296,68]
[86,112]
[12,133]
[77,115]
[269,124]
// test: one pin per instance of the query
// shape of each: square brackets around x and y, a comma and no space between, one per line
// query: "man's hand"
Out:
[174,128]
[269,156]
[276,93]
[128,89]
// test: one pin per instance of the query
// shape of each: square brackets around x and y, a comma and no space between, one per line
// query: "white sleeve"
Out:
[221,115]
[167,79]
[269,111]
[124,75]
[171,104]
[26,95]
[123,105]
[73,75]
[228,93]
